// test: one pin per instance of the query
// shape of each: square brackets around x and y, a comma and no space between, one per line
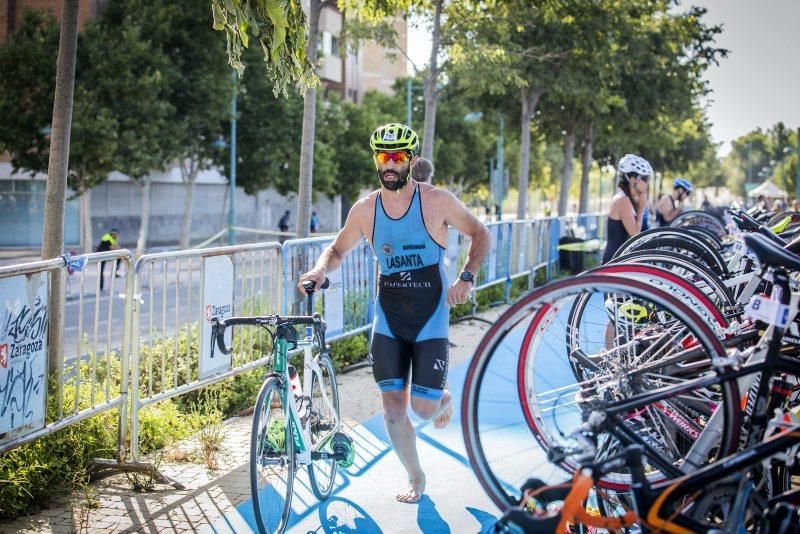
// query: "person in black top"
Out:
[628,205]
[283,225]
[109,241]
[670,206]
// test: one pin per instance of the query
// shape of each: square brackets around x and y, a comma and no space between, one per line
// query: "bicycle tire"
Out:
[532,303]
[267,499]
[698,269]
[705,233]
[712,258]
[693,234]
[322,487]
[659,277]
[701,218]
[709,314]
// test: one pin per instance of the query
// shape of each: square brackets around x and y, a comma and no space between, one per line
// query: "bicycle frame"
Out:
[650,499]
[302,435]
[766,360]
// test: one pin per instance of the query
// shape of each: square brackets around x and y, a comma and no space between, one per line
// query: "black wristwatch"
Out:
[467,277]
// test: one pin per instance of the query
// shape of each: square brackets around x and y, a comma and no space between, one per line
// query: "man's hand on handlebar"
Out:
[314,275]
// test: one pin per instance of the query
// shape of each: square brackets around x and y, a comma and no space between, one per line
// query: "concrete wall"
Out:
[117,202]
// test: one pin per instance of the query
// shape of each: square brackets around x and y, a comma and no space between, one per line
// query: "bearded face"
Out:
[394,169]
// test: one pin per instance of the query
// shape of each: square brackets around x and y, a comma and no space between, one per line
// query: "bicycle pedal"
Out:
[343,444]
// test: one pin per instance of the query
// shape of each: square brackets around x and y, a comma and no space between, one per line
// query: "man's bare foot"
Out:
[414,492]
[443,419]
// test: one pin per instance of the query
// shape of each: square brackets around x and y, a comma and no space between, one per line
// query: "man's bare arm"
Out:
[335,253]
[459,217]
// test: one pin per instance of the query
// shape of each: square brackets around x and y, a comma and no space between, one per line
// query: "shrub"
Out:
[35,474]
[349,350]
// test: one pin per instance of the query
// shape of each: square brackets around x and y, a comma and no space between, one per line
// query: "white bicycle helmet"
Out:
[633,163]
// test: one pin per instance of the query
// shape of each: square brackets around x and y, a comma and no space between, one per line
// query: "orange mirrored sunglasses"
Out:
[398,157]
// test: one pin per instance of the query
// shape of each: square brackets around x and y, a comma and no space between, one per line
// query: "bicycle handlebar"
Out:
[309,285]
[218,325]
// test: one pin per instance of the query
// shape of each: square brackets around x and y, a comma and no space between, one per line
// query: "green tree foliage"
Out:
[269,137]
[280,27]
[198,83]
[770,154]
[27,88]
[27,85]
[617,74]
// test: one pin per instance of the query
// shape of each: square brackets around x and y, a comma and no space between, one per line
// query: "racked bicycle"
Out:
[292,425]
[660,379]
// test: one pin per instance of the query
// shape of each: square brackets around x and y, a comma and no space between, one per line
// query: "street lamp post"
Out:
[232,210]
[410,87]
[500,173]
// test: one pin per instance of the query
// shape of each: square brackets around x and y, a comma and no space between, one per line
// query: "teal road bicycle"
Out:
[292,426]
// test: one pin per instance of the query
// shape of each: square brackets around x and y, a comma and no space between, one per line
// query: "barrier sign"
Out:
[334,304]
[217,299]
[23,353]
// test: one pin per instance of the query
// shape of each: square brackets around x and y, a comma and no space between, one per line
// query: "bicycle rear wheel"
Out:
[272,458]
[323,424]
[503,439]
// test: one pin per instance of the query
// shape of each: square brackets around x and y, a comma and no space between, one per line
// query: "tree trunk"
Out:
[55,196]
[586,165]
[566,170]
[530,98]
[86,221]
[431,92]
[309,125]
[189,176]
[144,225]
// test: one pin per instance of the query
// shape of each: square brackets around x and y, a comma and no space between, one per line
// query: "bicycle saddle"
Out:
[770,253]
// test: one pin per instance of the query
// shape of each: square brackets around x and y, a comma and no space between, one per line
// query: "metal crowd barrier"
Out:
[147,330]
[175,295]
[518,249]
[589,226]
[91,374]
[348,304]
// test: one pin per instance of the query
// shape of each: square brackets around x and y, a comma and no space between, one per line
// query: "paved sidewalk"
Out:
[218,501]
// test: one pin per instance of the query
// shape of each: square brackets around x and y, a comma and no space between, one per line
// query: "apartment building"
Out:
[370,67]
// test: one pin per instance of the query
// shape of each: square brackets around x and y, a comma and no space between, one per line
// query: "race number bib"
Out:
[764,309]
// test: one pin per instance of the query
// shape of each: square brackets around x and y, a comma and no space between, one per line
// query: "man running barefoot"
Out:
[406,224]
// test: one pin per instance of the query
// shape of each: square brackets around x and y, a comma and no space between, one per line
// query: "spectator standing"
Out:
[109,241]
[627,207]
[422,171]
[283,225]
[314,222]
[670,206]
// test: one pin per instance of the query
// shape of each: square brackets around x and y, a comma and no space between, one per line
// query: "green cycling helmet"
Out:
[394,136]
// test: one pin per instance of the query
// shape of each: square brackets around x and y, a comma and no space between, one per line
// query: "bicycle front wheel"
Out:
[323,424]
[272,459]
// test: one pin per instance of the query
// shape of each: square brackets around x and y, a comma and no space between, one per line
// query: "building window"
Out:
[328,44]
[334,45]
